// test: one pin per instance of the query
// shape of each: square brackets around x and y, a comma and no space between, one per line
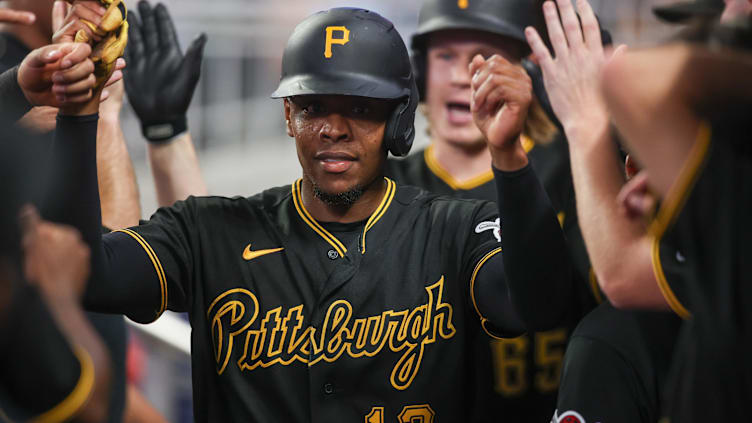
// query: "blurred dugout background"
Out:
[239,131]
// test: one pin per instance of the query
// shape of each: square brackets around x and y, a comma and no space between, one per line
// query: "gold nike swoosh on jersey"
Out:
[249,255]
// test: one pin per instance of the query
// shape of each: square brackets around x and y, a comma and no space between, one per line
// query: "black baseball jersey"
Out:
[517,378]
[41,375]
[705,216]
[296,320]
[616,365]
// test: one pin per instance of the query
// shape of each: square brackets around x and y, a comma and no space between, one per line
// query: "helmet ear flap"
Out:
[400,128]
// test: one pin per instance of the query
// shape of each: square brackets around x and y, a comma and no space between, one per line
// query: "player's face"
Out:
[339,139]
[448,81]
[736,9]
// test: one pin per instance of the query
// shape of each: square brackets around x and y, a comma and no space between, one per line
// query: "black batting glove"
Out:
[159,79]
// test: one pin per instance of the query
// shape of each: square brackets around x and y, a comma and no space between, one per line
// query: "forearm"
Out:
[118,190]
[176,170]
[537,267]
[122,282]
[14,103]
[618,247]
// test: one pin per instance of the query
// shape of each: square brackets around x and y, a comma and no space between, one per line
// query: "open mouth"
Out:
[459,113]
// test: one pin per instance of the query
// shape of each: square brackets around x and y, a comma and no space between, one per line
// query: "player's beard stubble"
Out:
[341,199]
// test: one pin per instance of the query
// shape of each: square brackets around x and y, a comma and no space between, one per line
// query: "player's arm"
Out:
[536,264]
[618,245]
[118,190]
[657,97]
[160,82]
[53,362]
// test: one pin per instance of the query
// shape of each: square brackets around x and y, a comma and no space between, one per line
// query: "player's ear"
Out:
[288,125]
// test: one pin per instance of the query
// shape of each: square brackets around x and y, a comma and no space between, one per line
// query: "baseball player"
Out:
[703,179]
[341,297]
[518,377]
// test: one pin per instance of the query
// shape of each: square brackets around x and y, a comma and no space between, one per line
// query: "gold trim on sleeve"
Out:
[78,397]
[672,206]
[478,266]
[157,267]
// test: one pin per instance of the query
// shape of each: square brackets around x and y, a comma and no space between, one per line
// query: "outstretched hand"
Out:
[160,79]
[572,77]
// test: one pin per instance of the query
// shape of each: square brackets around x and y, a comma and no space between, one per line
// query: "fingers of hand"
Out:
[555,32]
[590,28]
[74,83]
[539,49]
[166,28]
[498,72]
[16,16]
[59,11]
[476,64]
[571,24]
[116,77]
[74,54]
[149,27]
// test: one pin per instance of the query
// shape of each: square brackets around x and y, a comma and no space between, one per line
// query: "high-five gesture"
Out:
[501,96]
[160,80]
[572,76]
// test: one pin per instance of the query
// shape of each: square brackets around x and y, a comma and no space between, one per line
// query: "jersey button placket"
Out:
[332,254]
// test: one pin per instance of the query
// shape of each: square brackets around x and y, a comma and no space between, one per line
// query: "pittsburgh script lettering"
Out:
[280,338]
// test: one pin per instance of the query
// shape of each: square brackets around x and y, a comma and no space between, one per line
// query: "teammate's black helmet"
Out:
[355,52]
[508,18]
[685,10]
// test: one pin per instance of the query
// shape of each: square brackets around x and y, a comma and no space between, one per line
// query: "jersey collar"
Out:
[386,201]
[435,167]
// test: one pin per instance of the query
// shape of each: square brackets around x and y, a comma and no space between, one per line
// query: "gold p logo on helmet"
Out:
[330,40]
[462,4]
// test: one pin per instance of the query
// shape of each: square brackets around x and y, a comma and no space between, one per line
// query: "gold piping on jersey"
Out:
[594,286]
[386,201]
[391,188]
[157,267]
[672,206]
[78,397]
[478,266]
[297,199]
[435,167]
[281,337]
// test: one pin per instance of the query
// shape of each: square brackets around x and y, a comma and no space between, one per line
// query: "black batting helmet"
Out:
[686,10]
[354,52]
[507,18]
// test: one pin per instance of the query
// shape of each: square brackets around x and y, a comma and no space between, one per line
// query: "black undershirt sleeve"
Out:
[14,103]
[536,265]
[122,278]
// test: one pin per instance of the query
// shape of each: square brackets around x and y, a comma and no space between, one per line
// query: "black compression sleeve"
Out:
[14,103]
[536,263]
[121,280]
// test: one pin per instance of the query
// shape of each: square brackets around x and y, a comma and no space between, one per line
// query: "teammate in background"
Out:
[53,366]
[517,378]
[160,82]
[343,296]
[701,98]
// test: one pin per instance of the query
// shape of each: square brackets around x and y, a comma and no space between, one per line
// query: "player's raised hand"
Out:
[160,79]
[572,77]
[57,74]
[501,96]
[55,257]
[10,16]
